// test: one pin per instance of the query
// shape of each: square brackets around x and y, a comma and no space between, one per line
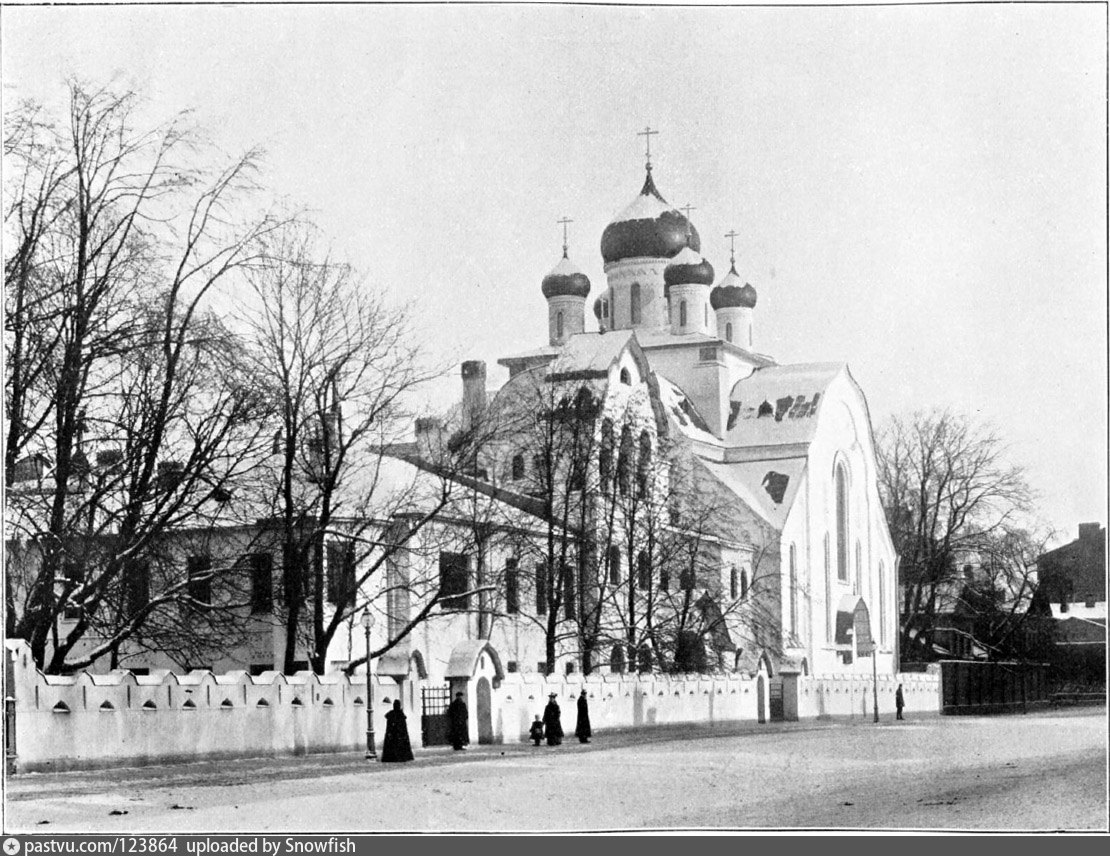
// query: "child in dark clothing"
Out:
[535,733]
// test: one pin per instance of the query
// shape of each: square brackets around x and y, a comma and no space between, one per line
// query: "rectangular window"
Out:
[136,580]
[453,575]
[512,667]
[512,587]
[262,583]
[541,589]
[541,667]
[341,560]
[199,569]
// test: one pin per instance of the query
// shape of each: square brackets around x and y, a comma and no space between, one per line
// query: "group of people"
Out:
[551,725]
[396,746]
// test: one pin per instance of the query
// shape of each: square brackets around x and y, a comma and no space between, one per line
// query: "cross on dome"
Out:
[647,134]
[732,236]
[564,222]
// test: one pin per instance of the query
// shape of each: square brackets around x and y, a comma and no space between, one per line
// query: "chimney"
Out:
[1088,531]
[429,438]
[474,392]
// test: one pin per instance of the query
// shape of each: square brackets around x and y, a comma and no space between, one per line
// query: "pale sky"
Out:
[920,192]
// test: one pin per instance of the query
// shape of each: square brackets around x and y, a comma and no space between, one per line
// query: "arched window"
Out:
[686,579]
[624,461]
[749,335]
[645,659]
[605,455]
[626,377]
[733,588]
[743,582]
[614,566]
[841,523]
[605,309]
[518,467]
[643,571]
[793,589]
[616,660]
[664,579]
[728,332]
[705,314]
[682,313]
[643,463]
[635,307]
[558,325]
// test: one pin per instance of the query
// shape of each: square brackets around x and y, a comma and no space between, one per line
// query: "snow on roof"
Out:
[768,487]
[777,405]
[643,207]
[591,352]
[681,411]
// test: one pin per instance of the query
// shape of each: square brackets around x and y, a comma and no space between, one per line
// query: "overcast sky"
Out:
[919,191]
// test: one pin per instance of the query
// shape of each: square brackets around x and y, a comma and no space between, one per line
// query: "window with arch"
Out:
[643,571]
[626,377]
[614,566]
[733,583]
[841,479]
[558,325]
[643,463]
[616,660]
[635,303]
[645,658]
[605,309]
[728,331]
[743,582]
[664,579]
[705,314]
[749,335]
[686,579]
[682,313]
[518,467]
[794,589]
[624,461]
[605,455]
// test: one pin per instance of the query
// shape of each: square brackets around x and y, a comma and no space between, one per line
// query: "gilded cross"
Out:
[564,223]
[732,236]
[647,134]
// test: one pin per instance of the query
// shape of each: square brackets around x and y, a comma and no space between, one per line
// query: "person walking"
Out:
[396,746]
[552,724]
[458,726]
[582,726]
[899,702]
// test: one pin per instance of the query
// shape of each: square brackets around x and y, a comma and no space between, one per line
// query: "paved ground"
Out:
[1042,771]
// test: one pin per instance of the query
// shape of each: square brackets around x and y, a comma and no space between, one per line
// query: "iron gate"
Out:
[433,715]
[774,701]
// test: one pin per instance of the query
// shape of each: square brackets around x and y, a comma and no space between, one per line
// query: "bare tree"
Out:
[122,235]
[946,487]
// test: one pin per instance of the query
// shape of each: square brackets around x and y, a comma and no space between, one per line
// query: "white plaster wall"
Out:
[574,317]
[648,272]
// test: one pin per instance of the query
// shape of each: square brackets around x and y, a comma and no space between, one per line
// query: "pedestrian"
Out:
[582,726]
[535,733]
[899,701]
[396,746]
[552,726]
[458,726]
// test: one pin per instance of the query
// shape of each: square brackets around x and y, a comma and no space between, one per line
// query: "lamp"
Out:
[367,621]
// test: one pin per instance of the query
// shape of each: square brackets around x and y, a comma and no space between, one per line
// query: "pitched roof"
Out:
[768,487]
[778,405]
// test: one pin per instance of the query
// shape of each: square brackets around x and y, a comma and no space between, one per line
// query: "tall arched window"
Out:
[728,332]
[605,309]
[624,461]
[643,571]
[635,303]
[558,325]
[643,463]
[614,566]
[616,660]
[743,582]
[793,589]
[705,314]
[605,455]
[732,583]
[682,313]
[626,377]
[841,523]
[518,467]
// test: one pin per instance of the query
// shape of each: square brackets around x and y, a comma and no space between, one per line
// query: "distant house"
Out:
[1073,587]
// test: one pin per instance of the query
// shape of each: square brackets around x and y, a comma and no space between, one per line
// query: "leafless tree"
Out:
[127,414]
[946,487]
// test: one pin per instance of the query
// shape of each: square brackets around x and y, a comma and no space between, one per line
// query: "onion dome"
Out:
[566,280]
[730,293]
[649,227]
[688,268]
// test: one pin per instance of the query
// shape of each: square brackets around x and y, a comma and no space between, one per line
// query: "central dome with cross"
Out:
[648,227]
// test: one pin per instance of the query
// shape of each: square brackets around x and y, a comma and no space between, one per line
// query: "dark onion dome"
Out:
[649,227]
[688,268]
[731,294]
[566,280]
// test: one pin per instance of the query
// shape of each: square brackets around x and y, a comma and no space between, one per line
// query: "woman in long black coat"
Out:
[396,746]
[552,723]
[458,727]
[582,726]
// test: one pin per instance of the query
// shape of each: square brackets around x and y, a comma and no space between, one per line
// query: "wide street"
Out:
[1042,771]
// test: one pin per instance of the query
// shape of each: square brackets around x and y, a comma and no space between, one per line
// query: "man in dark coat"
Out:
[899,701]
[396,746]
[552,725]
[582,726]
[458,728]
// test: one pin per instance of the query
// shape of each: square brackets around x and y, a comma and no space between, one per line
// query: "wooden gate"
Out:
[774,700]
[433,715]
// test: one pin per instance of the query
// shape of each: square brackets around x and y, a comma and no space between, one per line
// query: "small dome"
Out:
[649,227]
[566,280]
[730,293]
[688,268]
[597,308]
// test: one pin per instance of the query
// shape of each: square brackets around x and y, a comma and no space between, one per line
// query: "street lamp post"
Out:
[367,623]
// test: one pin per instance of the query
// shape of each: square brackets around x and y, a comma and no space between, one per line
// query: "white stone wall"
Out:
[853,695]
